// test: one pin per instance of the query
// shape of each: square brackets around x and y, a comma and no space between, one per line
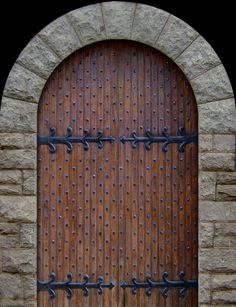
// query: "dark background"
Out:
[21,20]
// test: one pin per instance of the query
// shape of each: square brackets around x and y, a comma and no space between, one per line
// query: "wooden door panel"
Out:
[118,212]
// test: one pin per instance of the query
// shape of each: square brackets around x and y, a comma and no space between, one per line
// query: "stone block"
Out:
[217,211]
[88,23]
[118,19]
[225,242]
[148,23]
[11,286]
[37,57]
[224,296]
[225,229]
[223,281]
[197,58]
[212,85]
[18,116]
[19,261]
[217,117]
[217,161]
[204,281]
[29,286]
[224,143]
[19,159]
[9,228]
[10,189]
[226,192]
[28,235]
[206,234]
[6,302]
[175,37]
[23,84]
[205,142]
[32,303]
[17,141]
[18,208]
[61,37]
[10,176]
[217,260]
[226,178]
[207,185]
[9,241]
[29,182]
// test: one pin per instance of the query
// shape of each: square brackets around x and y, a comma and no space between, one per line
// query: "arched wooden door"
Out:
[117,187]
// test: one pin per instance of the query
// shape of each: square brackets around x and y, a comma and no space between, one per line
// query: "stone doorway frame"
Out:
[18,131]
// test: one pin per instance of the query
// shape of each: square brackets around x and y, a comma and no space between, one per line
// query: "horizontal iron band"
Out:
[52,139]
[166,284]
[52,285]
[182,139]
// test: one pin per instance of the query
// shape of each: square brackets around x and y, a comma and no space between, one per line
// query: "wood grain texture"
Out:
[117,212]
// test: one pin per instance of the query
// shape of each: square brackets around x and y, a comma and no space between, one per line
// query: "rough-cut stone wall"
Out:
[217,127]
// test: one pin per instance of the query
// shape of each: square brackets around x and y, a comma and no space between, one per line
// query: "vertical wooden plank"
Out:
[93,170]
[174,181]
[79,62]
[154,173]
[134,175]
[120,166]
[100,227]
[168,177]
[161,177]
[114,195]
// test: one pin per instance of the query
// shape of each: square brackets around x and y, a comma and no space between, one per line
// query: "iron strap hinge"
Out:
[182,139]
[69,139]
[167,284]
[68,285]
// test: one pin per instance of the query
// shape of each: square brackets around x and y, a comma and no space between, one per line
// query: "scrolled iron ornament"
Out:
[183,285]
[51,285]
[182,139]
[68,140]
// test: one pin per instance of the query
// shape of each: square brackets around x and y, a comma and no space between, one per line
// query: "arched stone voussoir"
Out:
[148,24]
[23,84]
[212,85]
[38,58]
[88,23]
[118,19]
[175,37]
[61,37]
[197,58]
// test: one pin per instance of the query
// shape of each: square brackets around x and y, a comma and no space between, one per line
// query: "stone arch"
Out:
[217,126]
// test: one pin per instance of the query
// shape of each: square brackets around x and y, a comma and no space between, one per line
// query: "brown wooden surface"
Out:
[117,212]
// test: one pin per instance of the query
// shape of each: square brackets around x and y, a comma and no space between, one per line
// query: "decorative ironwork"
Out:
[182,139]
[167,284]
[68,285]
[69,139]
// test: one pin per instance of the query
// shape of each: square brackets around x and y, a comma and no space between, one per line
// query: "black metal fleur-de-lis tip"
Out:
[181,129]
[69,277]
[123,285]
[111,285]
[165,292]
[86,278]
[181,276]
[52,276]
[52,131]
[165,276]
[69,131]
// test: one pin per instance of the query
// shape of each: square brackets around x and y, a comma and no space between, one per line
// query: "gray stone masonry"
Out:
[217,128]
